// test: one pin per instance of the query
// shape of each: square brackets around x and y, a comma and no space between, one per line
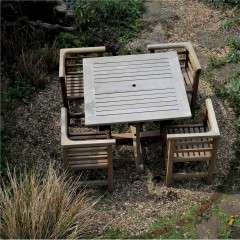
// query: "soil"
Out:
[138,200]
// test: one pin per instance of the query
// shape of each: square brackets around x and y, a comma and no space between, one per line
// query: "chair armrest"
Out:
[66,142]
[65,51]
[187,45]
[213,132]
[178,136]
[166,45]
[212,117]
[61,64]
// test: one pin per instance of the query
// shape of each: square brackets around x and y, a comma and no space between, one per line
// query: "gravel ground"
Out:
[138,200]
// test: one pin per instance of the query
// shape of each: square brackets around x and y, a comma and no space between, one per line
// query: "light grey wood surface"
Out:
[134,88]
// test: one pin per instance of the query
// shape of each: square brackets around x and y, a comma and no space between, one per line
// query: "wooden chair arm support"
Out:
[178,136]
[65,51]
[187,45]
[213,126]
[212,117]
[66,142]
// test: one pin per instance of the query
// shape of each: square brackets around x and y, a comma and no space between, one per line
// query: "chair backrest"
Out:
[71,71]
[189,64]
[84,150]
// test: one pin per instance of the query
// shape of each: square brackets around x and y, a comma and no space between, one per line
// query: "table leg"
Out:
[137,146]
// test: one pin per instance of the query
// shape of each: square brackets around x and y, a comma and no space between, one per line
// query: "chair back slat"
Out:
[86,150]
[71,76]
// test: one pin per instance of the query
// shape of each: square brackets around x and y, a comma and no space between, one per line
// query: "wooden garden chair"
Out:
[71,77]
[190,65]
[87,150]
[192,143]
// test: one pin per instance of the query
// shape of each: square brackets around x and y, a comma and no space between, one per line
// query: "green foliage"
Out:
[67,40]
[232,57]
[234,92]
[231,22]
[29,74]
[108,22]
[234,54]
[225,2]
[231,93]
[216,62]
[237,149]
[115,233]
[174,227]
[19,90]
[29,55]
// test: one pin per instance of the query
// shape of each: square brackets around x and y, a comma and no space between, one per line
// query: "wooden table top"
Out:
[134,88]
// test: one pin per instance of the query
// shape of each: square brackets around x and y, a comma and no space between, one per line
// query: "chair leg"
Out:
[110,170]
[169,163]
[137,150]
[211,164]
[169,172]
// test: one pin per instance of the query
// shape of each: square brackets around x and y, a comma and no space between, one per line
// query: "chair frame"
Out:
[191,65]
[62,72]
[194,138]
[67,144]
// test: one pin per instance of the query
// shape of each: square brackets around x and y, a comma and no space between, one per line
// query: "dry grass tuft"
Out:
[44,207]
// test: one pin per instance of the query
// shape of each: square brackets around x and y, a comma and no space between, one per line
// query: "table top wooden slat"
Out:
[134,88]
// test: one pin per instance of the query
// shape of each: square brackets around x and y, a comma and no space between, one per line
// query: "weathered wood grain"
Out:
[134,88]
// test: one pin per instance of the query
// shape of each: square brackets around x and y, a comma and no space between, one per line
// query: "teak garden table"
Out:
[134,89]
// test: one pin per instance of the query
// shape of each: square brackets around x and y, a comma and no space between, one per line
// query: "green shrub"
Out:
[29,55]
[234,54]
[108,21]
[29,73]
[231,22]
[224,2]
[216,62]
[234,92]
[44,207]
[232,57]
[67,40]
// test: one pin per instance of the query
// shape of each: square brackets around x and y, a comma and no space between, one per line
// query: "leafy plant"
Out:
[225,2]
[234,92]
[67,40]
[107,22]
[231,22]
[232,57]
[234,54]
[49,206]
[216,62]
[115,233]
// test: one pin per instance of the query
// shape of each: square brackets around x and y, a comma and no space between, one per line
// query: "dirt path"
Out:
[138,200]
